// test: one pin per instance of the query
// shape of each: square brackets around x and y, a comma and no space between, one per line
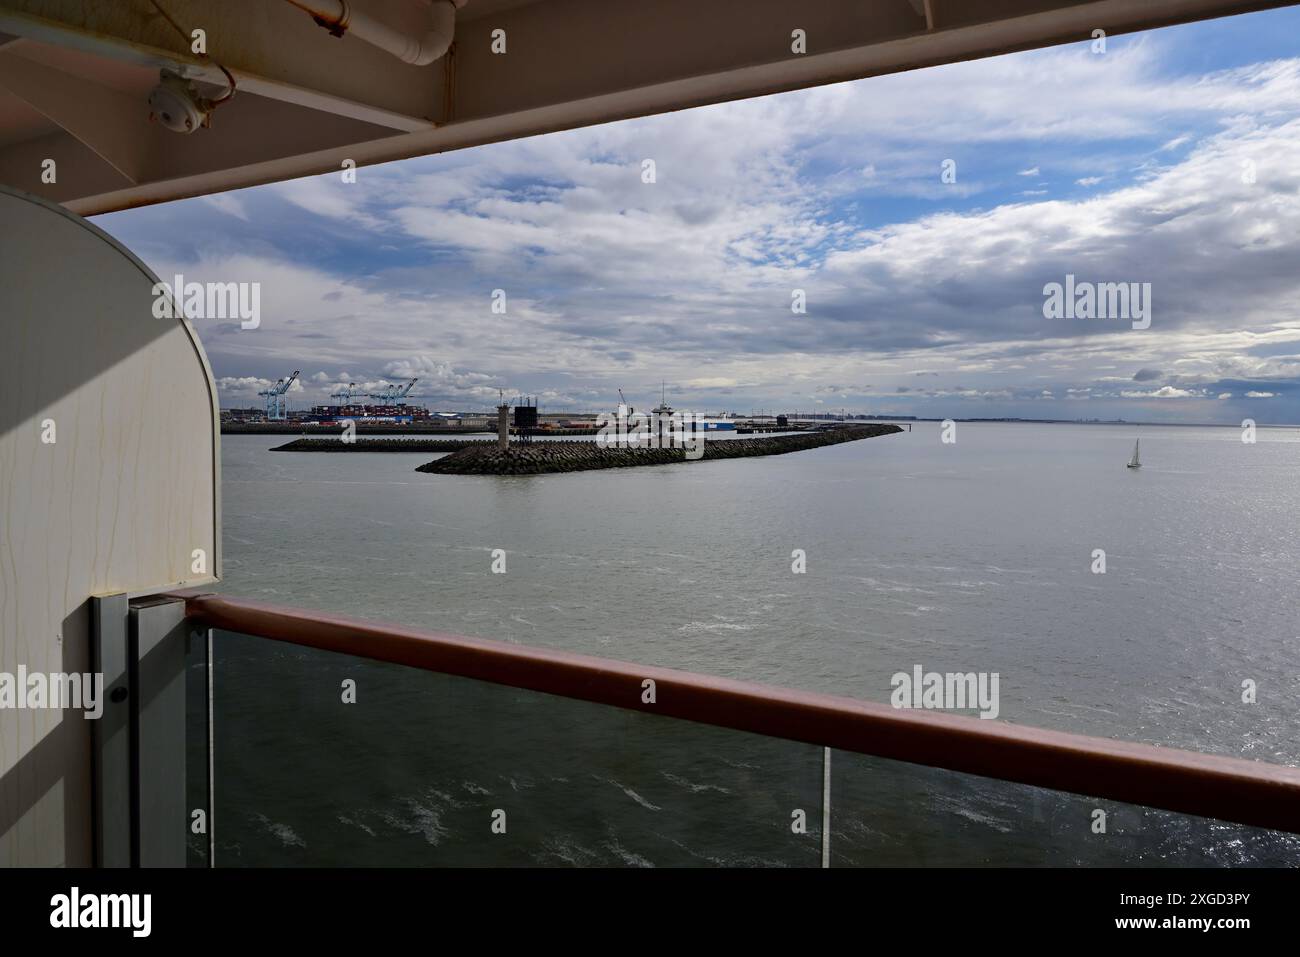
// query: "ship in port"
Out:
[720,423]
[694,421]
[389,414]
[390,408]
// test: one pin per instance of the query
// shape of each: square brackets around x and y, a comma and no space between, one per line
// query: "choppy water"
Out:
[975,556]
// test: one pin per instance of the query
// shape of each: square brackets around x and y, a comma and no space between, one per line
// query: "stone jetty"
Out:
[537,458]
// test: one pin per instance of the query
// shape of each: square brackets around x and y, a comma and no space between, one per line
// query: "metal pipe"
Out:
[339,17]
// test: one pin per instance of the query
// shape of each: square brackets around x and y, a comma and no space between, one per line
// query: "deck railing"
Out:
[1227,789]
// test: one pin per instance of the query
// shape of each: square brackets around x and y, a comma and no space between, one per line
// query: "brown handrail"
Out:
[1229,789]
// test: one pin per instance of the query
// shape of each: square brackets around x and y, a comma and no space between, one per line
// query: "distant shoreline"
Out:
[329,432]
[1121,422]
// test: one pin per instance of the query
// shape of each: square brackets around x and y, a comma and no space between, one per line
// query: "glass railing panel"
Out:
[893,814]
[408,767]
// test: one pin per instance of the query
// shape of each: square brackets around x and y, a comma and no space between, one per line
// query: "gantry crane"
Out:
[346,394]
[392,394]
[275,400]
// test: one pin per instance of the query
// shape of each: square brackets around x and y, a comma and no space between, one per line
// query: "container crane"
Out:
[393,394]
[275,400]
[346,394]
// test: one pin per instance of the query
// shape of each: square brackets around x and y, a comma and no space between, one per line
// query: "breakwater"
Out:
[336,444]
[546,457]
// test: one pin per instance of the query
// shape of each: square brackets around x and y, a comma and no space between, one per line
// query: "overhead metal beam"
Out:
[271,49]
[924,8]
[115,126]
[81,171]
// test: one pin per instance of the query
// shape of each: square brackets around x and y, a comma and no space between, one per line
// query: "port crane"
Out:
[346,394]
[393,394]
[275,400]
[388,395]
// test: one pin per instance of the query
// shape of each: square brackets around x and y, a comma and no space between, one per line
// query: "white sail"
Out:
[1134,463]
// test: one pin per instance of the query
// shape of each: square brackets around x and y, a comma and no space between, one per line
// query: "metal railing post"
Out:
[138,744]
[158,631]
[111,779]
[826,807]
[211,789]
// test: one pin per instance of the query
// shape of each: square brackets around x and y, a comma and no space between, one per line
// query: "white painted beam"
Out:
[274,53]
[924,8]
[115,126]
[81,172]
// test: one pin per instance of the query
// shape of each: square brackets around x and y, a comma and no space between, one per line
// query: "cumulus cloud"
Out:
[1164,392]
[242,386]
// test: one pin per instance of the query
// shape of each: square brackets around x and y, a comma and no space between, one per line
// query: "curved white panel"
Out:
[108,484]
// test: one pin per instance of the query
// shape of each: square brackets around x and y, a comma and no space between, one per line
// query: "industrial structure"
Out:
[347,393]
[526,423]
[394,394]
[275,397]
[391,407]
[387,395]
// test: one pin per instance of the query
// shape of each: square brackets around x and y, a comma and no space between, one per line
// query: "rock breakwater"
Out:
[538,458]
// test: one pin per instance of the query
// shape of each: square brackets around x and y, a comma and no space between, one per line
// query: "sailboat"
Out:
[1134,463]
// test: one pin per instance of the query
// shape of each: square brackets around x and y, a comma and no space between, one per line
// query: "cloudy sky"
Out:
[1173,158]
